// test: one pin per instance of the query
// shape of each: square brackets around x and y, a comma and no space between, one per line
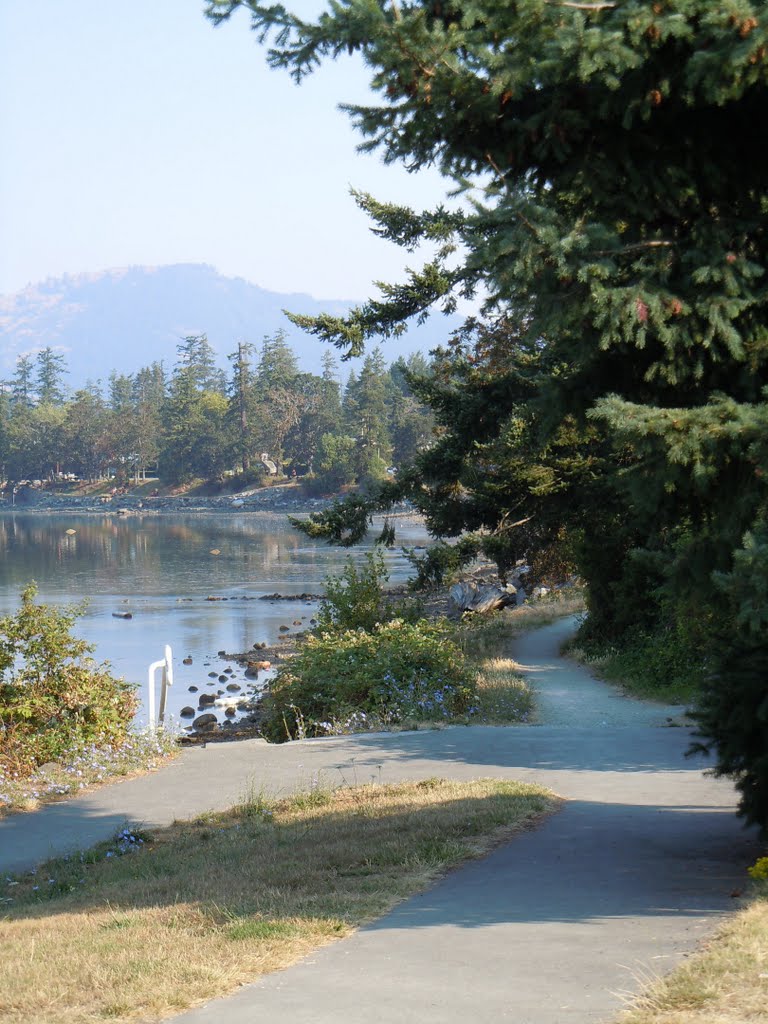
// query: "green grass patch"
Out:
[140,929]
[657,667]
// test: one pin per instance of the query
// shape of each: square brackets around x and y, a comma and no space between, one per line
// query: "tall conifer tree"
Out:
[618,218]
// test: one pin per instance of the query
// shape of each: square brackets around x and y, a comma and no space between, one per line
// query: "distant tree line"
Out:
[198,421]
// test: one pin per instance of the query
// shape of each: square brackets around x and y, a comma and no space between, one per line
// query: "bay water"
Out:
[162,570]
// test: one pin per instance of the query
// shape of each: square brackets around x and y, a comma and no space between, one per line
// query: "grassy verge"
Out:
[200,907]
[83,769]
[725,982]
[651,668]
[504,697]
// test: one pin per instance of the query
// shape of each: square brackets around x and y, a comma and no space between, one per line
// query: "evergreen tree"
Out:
[36,442]
[149,396]
[411,423]
[90,440]
[277,365]
[121,389]
[283,401]
[197,364]
[619,222]
[196,441]
[243,406]
[365,414]
[321,416]
[22,388]
[5,417]
[51,367]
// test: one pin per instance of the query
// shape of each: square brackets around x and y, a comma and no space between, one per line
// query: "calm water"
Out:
[161,569]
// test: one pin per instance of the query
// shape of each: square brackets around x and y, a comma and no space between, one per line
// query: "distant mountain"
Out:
[125,319]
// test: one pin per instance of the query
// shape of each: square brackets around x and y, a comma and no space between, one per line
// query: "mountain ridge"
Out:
[124,318]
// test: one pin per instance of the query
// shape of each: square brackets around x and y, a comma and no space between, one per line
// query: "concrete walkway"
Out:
[550,929]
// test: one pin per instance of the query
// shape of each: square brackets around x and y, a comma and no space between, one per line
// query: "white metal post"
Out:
[167,680]
[167,666]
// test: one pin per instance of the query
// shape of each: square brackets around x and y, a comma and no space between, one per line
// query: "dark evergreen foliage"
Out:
[617,225]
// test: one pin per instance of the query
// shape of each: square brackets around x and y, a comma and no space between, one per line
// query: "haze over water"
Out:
[161,570]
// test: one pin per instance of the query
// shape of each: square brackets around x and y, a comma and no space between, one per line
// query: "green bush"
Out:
[355,680]
[355,598]
[732,711]
[54,697]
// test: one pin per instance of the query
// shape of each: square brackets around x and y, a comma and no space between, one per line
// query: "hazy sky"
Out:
[136,133]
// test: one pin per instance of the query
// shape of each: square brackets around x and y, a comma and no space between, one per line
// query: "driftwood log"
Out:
[477,598]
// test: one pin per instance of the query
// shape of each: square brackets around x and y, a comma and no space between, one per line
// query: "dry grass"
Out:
[210,904]
[504,695]
[725,982]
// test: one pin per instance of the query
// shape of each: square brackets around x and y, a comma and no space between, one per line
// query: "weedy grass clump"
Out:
[150,924]
[724,982]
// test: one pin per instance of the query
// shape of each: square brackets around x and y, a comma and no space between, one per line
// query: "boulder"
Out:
[187,712]
[234,688]
[254,667]
[205,723]
[206,699]
[467,596]
[193,689]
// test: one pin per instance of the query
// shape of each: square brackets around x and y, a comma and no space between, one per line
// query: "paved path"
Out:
[550,929]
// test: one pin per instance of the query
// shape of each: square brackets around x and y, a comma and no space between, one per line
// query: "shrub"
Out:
[341,681]
[355,598]
[53,696]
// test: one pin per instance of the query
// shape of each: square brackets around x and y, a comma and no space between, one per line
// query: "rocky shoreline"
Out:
[264,499]
[283,499]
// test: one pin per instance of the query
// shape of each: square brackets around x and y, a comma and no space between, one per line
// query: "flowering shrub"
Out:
[351,680]
[54,697]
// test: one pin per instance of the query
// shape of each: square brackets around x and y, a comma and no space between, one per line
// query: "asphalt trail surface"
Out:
[556,927]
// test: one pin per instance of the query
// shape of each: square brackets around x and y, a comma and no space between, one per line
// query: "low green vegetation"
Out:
[148,925]
[53,696]
[65,721]
[651,666]
[376,663]
[356,599]
[348,680]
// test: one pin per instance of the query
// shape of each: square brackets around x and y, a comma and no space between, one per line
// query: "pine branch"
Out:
[636,247]
[582,6]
